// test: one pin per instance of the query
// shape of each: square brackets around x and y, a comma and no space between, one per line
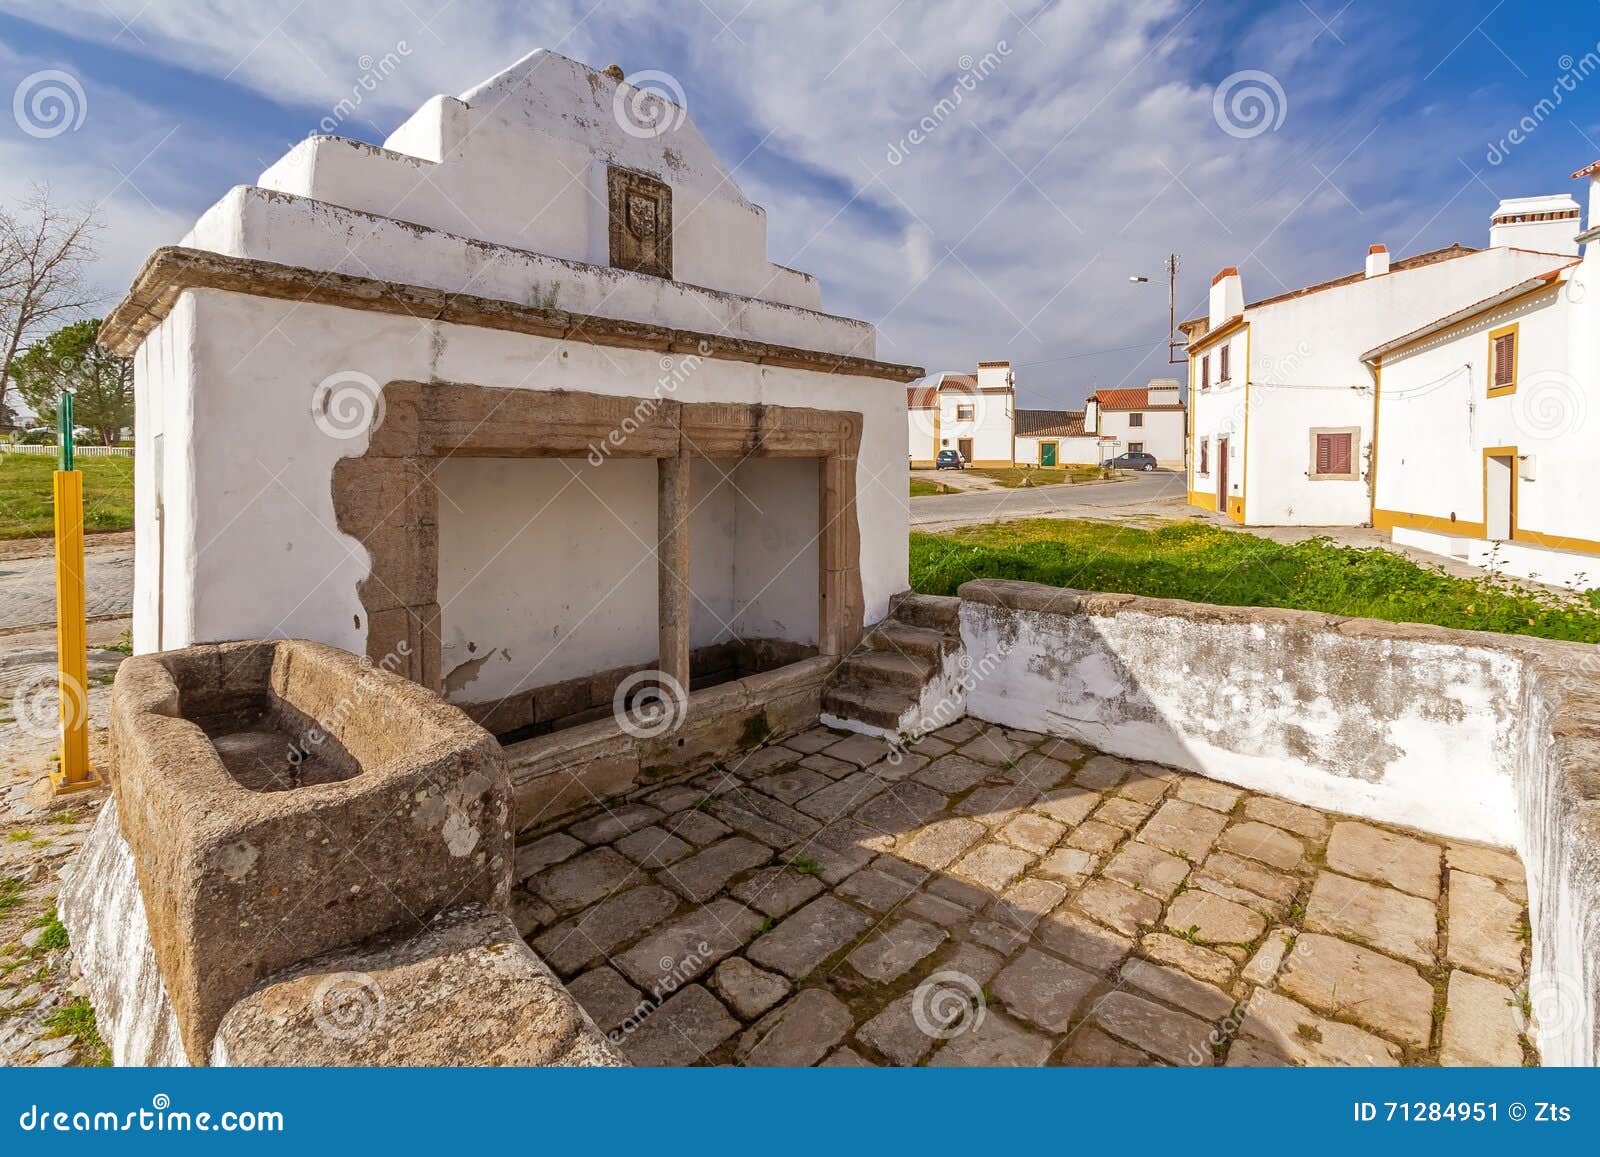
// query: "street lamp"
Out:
[1171,267]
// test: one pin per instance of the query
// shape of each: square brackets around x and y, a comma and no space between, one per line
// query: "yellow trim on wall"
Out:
[1510,331]
[1236,508]
[1225,330]
[1202,499]
[1372,469]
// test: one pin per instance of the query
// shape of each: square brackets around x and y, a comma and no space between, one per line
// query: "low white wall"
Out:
[1459,733]
[1405,731]
[1574,569]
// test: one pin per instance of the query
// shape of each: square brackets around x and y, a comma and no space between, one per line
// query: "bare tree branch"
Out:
[45,249]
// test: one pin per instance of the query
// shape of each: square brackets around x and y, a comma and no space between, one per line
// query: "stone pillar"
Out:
[672,566]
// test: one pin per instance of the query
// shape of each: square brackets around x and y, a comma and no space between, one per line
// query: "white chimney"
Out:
[1162,391]
[1377,260]
[994,376]
[1545,224]
[1227,296]
[1091,415]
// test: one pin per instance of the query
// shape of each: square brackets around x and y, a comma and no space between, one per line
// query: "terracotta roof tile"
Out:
[1049,423]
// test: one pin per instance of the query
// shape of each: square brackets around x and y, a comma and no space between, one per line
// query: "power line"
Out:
[1087,354]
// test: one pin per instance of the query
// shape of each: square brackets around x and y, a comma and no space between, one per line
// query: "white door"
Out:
[1499,476]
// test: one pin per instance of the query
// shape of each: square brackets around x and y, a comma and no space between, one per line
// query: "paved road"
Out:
[28,585]
[939,511]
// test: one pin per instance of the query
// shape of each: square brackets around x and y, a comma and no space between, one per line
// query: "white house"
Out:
[970,413]
[1488,417]
[1284,406]
[1142,421]
[977,415]
[516,402]
[1056,438]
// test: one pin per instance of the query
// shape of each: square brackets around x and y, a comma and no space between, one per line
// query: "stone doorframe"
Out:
[388,501]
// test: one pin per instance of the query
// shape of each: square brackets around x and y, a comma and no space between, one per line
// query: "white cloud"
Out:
[1085,150]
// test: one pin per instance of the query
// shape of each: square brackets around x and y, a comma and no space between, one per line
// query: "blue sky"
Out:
[1090,147]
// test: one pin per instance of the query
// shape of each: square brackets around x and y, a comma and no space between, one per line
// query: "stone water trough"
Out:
[295,817]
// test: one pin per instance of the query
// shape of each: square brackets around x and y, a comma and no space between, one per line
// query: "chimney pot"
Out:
[1377,260]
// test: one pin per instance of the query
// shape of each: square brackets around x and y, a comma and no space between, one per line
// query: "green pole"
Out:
[64,423]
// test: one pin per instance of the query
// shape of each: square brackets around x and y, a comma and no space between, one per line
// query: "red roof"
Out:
[921,397]
[1587,171]
[1138,399]
[1049,423]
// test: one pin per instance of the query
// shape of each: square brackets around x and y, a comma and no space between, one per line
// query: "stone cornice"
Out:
[171,270]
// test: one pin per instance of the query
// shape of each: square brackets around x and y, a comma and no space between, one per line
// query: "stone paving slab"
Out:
[997,897]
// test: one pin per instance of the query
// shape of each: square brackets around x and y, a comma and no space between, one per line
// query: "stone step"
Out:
[886,669]
[875,705]
[939,612]
[899,638]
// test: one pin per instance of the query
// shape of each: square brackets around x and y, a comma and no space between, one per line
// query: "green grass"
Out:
[10,893]
[1013,477]
[27,506]
[75,1018]
[921,487]
[1208,564]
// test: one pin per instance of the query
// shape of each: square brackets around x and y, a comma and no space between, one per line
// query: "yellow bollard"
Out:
[74,772]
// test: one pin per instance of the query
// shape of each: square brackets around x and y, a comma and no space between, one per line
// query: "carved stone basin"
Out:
[284,799]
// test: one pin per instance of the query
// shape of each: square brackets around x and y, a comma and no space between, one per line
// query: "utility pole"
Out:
[1173,343]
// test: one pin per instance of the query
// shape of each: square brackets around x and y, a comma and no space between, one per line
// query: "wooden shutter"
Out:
[1205,372]
[1222,363]
[1340,454]
[1333,454]
[1505,360]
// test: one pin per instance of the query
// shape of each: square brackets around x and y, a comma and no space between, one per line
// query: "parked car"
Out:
[1130,462]
[950,460]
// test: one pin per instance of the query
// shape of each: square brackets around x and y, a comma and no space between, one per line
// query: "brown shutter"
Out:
[1505,353]
[1205,372]
[1324,453]
[1339,454]
[1222,364]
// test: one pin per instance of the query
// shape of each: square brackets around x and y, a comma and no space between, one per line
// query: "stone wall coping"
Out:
[1014,594]
[171,270]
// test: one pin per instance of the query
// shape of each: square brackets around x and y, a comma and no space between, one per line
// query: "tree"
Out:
[44,252]
[71,359]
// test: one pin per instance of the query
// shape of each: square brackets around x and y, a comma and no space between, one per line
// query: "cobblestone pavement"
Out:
[28,581]
[996,897]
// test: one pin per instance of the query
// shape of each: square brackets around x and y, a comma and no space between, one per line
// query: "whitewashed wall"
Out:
[251,543]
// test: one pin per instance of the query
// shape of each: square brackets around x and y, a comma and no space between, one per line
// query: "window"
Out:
[1502,360]
[1205,372]
[1205,456]
[964,413]
[1136,447]
[1222,363]
[1135,419]
[1333,454]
